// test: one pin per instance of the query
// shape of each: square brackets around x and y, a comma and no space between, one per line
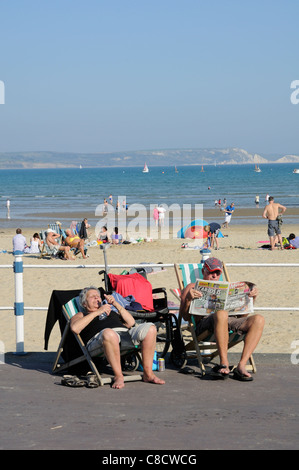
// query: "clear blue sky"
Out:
[113,75]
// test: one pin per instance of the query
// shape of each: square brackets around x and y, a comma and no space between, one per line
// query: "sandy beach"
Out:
[278,286]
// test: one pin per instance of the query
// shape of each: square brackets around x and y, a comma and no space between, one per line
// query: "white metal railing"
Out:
[19,307]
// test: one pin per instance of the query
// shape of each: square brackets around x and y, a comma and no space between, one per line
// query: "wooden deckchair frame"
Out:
[68,311]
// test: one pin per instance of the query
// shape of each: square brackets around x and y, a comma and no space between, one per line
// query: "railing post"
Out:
[19,303]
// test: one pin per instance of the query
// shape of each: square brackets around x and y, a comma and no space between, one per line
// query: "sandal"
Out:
[91,380]
[219,375]
[241,377]
[187,371]
[72,381]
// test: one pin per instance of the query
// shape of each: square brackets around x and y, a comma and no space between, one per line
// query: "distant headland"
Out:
[165,157]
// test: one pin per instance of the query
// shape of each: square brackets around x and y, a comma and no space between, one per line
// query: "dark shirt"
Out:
[95,326]
[214,226]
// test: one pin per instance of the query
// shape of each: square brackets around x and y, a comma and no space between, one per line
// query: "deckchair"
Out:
[57,229]
[69,310]
[204,345]
[46,250]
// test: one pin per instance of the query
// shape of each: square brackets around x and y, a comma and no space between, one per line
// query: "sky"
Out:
[123,75]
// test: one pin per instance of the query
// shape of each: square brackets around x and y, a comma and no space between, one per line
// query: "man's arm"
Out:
[282,208]
[126,317]
[80,321]
[265,215]
[188,294]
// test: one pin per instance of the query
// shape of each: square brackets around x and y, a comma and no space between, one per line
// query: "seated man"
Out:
[220,323]
[294,241]
[97,325]
[19,241]
[74,241]
[52,243]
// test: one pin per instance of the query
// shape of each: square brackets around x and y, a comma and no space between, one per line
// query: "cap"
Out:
[50,230]
[213,264]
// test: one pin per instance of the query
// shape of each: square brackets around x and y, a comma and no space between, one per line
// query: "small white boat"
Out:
[145,169]
[257,169]
[296,170]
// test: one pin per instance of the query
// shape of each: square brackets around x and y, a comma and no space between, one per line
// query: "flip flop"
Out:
[241,377]
[219,375]
[187,371]
[72,381]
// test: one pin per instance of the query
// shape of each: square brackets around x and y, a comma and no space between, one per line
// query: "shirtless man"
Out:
[52,243]
[271,211]
[75,242]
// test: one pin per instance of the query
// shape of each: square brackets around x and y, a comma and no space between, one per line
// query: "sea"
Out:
[36,194]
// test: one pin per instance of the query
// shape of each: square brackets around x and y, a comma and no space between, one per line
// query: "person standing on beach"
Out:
[156,215]
[228,214]
[271,212]
[8,208]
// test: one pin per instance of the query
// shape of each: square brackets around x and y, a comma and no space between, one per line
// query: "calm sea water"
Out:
[36,192]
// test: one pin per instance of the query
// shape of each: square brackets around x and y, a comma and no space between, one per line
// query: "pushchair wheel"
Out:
[179,360]
[130,362]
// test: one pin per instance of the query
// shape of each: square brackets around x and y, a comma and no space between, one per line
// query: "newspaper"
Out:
[220,295]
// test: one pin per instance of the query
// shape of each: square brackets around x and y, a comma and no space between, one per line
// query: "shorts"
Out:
[227,218]
[55,248]
[208,323]
[137,333]
[216,233]
[273,228]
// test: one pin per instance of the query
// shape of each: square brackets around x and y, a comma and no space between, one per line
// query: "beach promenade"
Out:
[185,415]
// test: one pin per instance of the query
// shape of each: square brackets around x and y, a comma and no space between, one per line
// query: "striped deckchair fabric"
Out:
[190,272]
[187,273]
[72,307]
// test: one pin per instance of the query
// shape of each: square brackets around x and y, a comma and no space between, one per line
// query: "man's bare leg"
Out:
[253,329]
[221,336]
[112,353]
[148,350]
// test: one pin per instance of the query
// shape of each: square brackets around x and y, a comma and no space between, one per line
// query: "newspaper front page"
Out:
[220,295]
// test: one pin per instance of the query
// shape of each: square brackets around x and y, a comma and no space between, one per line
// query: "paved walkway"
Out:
[187,413]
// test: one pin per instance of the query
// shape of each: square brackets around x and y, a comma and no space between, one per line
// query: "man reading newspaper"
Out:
[217,319]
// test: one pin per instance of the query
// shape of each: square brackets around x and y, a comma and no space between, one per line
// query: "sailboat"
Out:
[257,169]
[296,170]
[145,169]
[176,170]
[202,170]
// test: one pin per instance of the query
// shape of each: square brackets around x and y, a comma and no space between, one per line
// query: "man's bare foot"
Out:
[153,379]
[118,382]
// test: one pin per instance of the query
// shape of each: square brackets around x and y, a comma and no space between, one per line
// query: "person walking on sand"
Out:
[156,215]
[228,214]
[271,212]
